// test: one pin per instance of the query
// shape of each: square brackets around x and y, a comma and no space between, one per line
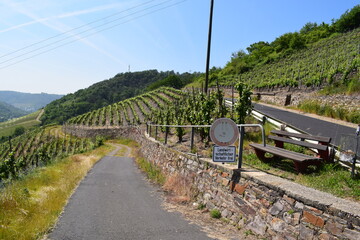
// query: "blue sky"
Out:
[149,34]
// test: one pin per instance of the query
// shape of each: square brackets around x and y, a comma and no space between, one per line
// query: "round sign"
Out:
[224,132]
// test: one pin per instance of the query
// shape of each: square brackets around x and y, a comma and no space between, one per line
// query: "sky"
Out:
[60,47]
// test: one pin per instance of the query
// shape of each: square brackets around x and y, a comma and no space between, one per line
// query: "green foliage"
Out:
[314,56]
[349,20]
[101,94]
[215,213]
[170,81]
[313,106]
[153,172]
[18,131]
[36,148]
[243,105]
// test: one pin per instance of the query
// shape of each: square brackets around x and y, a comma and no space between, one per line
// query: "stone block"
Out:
[225,182]
[350,234]
[257,226]
[313,219]
[305,233]
[240,189]
[224,174]
[288,218]
[296,218]
[299,205]
[278,225]
[265,202]
[334,227]
[326,236]
[276,208]
[289,200]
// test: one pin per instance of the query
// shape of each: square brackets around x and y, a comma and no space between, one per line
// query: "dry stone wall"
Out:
[271,207]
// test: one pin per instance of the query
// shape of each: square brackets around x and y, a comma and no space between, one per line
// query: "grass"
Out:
[215,213]
[153,172]
[31,205]
[314,106]
[7,128]
[331,178]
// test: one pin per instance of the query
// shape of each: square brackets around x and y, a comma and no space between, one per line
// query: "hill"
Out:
[8,112]
[318,55]
[101,94]
[29,102]
[25,122]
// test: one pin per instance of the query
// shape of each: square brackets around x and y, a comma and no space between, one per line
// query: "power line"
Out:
[80,38]
[84,31]
[84,25]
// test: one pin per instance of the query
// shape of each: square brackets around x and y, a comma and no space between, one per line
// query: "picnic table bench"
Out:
[301,161]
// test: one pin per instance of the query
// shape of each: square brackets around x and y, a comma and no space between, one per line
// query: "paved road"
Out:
[115,202]
[311,125]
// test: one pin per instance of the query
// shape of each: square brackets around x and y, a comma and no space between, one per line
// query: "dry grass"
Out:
[180,188]
[29,207]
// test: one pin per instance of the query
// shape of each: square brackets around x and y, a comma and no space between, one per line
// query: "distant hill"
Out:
[8,112]
[29,102]
[101,94]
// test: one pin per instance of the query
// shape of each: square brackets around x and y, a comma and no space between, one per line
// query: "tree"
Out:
[18,131]
[349,20]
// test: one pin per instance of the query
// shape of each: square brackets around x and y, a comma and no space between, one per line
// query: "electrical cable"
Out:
[63,33]
[84,31]
[80,38]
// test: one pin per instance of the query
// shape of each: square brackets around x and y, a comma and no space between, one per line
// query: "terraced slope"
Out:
[324,62]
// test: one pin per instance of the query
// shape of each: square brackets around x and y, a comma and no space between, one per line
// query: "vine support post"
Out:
[166,134]
[192,138]
[147,127]
[149,130]
[10,143]
[156,132]
[232,101]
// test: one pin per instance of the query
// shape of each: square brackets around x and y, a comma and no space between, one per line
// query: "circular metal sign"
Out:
[224,132]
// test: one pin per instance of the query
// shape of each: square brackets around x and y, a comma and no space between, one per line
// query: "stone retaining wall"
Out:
[269,206]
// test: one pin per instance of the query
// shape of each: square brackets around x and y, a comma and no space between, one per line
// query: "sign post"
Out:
[224,132]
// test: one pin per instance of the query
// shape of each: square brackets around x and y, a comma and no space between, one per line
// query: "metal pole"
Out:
[356,149]
[192,138]
[209,47]
[241,144]
[166,134]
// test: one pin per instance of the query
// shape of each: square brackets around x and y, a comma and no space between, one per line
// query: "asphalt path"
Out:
[115,201]
[340,135]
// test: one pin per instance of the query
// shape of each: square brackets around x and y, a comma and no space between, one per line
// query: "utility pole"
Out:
[208,48]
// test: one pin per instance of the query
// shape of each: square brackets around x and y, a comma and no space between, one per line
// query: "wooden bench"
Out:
[322,147]
[301,161]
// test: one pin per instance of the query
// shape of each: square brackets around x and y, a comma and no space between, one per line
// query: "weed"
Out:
[248,232]
[153,172]
[215,213]
[201,206]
